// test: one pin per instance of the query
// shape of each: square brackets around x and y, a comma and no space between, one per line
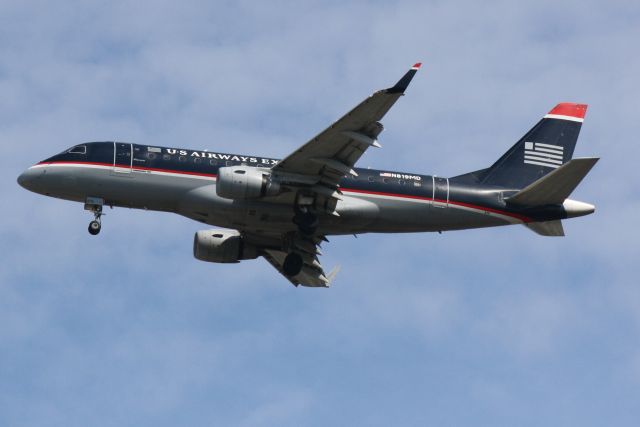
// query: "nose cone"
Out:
[28,179]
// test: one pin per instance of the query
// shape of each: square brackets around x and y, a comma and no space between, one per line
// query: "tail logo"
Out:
[536,153]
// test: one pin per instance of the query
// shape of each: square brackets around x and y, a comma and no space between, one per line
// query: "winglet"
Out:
[403,83]
[332,275]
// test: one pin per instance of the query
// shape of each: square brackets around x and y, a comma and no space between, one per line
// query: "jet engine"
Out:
[245,182]
[226,246]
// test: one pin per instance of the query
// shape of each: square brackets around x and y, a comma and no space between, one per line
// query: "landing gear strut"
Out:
[292,264]
[304,218]
[94,205]
[307,222]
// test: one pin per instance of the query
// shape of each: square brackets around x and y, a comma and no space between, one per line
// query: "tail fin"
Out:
[554,189]
[546,147]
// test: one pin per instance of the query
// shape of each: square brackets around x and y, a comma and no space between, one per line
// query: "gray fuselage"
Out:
[184,182]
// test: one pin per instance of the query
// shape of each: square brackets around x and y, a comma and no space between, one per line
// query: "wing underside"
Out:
[313,172]
[311,275]
[275,248]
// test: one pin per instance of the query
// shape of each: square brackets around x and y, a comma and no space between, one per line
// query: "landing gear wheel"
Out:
[307,231]
[307,222]
[94,204]
[292,264]
[94,227]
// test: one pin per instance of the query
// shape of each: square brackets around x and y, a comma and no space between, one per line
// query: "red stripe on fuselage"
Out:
[451,202]
[352,190]
[75,163]
[210,175]
[135,168]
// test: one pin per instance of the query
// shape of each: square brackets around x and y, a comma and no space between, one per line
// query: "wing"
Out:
[314,171]
[312,274]
[275,247]
[332,153]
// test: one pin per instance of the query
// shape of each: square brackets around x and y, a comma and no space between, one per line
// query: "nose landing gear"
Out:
[94,205]
[94,227]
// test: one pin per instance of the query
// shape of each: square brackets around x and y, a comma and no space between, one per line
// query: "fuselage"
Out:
[183,181]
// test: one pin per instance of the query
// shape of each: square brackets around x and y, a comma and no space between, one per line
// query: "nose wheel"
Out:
[94,205]
[94,227]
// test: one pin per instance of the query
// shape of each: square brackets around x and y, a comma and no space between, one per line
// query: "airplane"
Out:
[283,210]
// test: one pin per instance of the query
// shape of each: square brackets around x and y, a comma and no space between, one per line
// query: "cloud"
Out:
[127,328]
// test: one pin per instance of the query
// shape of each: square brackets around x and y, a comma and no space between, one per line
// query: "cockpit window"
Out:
[78,149]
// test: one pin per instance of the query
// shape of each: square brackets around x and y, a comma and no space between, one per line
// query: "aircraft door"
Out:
[440,192]
[122,157]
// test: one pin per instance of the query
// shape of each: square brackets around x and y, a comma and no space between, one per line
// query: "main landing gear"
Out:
[307,221]
[292,264]
[94,205]
[304,217]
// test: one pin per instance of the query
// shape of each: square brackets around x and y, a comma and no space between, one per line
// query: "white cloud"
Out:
[130,327]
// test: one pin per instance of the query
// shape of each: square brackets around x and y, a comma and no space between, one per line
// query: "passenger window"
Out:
[182,158]
[402,182]
[166,157]
[78,149]
[229,163]
[213,162]
[385,180]
[197,160]
[151,156]
[371,179]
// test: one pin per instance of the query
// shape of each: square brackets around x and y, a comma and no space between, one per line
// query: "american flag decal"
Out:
[536,153]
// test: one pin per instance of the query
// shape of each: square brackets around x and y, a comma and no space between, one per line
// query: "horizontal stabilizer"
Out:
[547,228]
[556,186]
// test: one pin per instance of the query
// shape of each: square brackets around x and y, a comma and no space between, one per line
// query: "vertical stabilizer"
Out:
[546,147]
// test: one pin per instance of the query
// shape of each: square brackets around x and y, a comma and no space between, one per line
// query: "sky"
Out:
[484,327]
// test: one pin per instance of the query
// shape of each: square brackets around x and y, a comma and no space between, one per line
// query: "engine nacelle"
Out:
[222,246]
[245,182]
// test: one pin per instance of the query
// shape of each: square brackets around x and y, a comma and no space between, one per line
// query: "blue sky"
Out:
[484,327]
